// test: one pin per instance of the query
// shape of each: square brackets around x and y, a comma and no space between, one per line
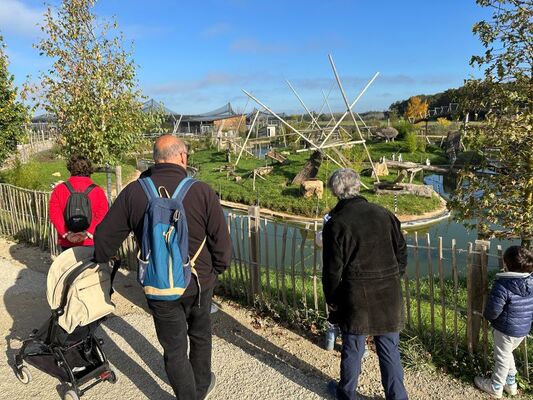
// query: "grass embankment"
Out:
[41,172]
[277,193]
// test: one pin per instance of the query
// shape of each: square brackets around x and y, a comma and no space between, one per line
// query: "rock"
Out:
[312,187]
[404,188]
[380,169]
[237,178]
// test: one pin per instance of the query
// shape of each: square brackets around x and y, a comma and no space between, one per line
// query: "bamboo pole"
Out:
[455,295]
[417,269]
[291,127]
[302,264]
[293,267]
[485,286]
[267,261]
[525,369]
[346,102]
[239,254]
[469,334]
[276,259]
[315,251]
[283,252]
[232,267]
[246,260]
[442,292]
[431,285]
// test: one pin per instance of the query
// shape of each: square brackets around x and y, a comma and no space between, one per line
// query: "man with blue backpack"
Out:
[184,244]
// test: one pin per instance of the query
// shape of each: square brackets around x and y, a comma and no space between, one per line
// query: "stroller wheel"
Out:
[113,377]
[24,374]
[71,395]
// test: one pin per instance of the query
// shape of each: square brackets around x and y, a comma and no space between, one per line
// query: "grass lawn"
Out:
[38,173]
[277,192]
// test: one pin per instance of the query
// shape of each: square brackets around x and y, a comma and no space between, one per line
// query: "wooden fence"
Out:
[277,265]
[24,216]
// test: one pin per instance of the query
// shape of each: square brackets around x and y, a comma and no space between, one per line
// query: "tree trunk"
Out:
[310,169]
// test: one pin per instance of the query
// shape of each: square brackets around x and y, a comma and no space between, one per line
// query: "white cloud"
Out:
[18,18]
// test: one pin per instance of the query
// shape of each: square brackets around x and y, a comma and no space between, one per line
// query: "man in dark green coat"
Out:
[364,258]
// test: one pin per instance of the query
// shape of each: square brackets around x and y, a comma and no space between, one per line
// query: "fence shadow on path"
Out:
[232,331]
[26,303]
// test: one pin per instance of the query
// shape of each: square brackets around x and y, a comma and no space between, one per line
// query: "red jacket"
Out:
[58,202]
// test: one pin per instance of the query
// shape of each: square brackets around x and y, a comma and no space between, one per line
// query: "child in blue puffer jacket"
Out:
[510,310]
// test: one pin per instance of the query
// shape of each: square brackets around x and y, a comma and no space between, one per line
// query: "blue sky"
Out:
[196,56]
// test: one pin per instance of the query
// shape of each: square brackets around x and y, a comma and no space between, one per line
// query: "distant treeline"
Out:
[441,99]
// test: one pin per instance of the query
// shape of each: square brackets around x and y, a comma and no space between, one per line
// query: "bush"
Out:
[422,144]
[411,141]
[403,127]
[25,176]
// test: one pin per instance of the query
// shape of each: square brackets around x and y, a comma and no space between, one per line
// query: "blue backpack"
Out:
[164,264]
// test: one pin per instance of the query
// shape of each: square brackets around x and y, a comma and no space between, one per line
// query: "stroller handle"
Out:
[70,280]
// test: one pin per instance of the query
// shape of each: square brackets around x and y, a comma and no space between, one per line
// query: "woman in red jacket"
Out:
[80,169]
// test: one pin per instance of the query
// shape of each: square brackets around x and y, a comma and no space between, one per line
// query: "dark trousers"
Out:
[189,374]
[353,348]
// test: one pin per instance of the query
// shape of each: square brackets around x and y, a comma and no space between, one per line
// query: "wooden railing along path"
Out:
[277,265]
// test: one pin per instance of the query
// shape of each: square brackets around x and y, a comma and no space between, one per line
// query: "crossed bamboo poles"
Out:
[323,145]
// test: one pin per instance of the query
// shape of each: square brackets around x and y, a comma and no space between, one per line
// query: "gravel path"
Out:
[252,358]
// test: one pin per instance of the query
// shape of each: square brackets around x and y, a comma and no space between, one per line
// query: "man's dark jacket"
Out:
[364,258]
[205,218]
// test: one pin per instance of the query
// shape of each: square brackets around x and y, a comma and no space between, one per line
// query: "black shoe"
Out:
[211,386]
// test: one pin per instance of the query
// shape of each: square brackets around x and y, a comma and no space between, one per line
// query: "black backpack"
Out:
[78,212]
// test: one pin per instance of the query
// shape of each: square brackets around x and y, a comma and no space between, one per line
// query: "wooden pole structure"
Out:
[290,127]
[349,108]
[345,98]
[303,104]
[247,137]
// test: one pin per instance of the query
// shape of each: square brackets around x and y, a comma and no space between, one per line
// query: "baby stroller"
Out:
[79,294]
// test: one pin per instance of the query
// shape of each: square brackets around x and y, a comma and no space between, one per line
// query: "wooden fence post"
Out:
[253,213]
[108,184]
[118,178]
[477,291]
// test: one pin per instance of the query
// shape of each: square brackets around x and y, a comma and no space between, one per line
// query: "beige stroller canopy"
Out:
[88,298]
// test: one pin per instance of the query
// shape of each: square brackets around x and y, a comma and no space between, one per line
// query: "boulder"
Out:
[381,169]
[404,188]
[312,187]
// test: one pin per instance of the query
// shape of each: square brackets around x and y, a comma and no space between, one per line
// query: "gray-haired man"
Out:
[364,258]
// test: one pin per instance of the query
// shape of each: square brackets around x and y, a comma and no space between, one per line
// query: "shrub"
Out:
[411,141]
[403,127]
[422,144]
[25,176]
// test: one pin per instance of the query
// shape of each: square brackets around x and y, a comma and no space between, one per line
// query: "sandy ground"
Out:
[252,358]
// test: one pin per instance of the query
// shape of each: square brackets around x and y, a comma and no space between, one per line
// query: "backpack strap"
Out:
[183,188]
[89,188]
[193,259]
[69,187]
[148,186]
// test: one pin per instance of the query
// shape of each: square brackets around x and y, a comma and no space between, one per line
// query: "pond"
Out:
[289,245]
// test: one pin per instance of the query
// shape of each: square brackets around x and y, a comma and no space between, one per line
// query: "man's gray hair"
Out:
[168,152]
[344,183]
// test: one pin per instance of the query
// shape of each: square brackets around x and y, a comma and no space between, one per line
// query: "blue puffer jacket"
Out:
[510,303]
